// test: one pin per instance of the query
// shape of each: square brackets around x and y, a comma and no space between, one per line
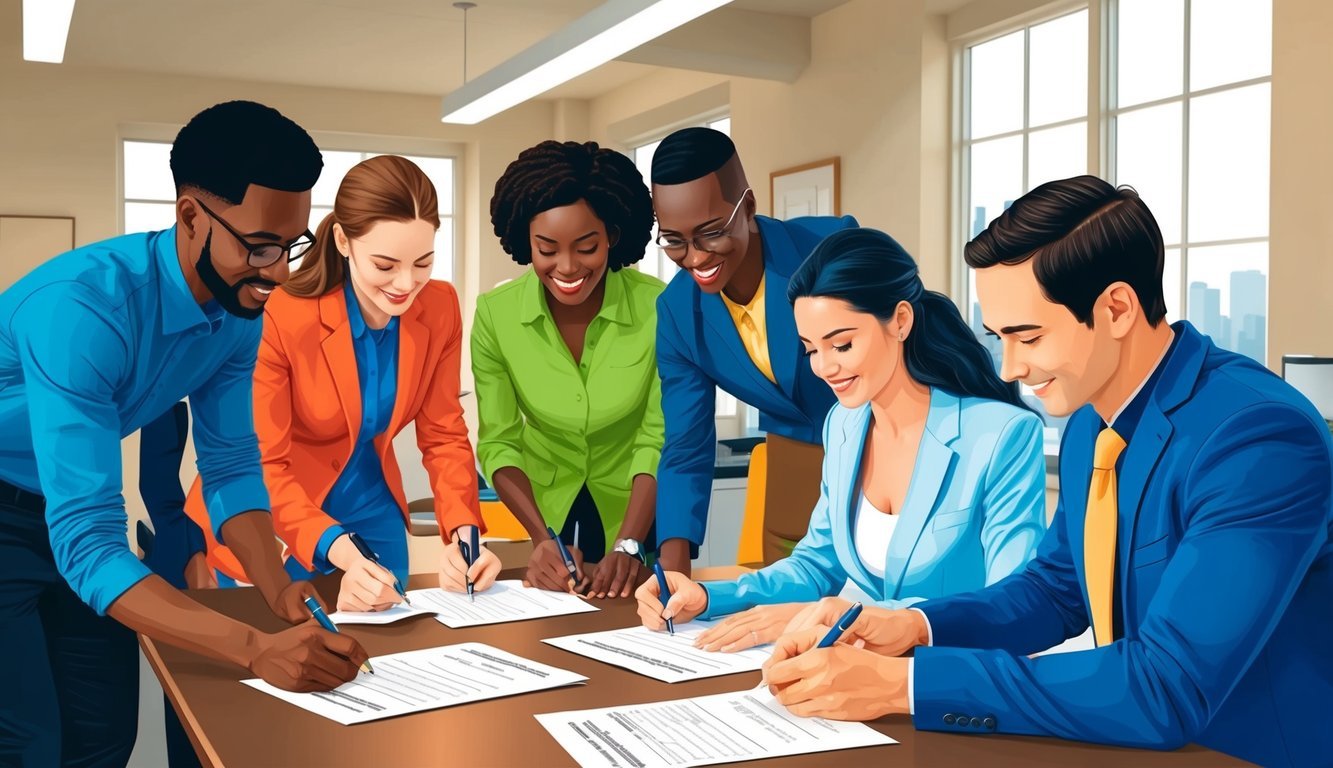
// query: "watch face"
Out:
[628,546]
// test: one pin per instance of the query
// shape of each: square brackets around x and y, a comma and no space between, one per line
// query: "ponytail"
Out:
[322,268]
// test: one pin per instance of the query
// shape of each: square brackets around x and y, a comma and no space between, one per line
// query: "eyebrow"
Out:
[262,235]
[396,261]
[546,239]
[1008,329]
[828,335]
[704,227]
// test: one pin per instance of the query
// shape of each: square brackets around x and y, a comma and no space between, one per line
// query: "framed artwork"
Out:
[26,241]
[806,190]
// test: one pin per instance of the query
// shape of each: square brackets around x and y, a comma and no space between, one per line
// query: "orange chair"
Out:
[750,550]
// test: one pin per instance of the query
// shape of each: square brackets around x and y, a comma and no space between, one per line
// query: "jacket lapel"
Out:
[413,348]
[846,483]
[340,357]
[782,341]
[934,460]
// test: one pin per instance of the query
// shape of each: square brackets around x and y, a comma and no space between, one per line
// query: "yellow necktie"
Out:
[1099,530]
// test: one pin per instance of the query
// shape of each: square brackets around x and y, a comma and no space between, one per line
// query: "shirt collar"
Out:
[355,320]
[753,308]
[180,312]
[615,304]
[1127,417]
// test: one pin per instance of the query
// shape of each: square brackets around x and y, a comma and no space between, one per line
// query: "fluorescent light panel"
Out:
[45,29]
[607,32]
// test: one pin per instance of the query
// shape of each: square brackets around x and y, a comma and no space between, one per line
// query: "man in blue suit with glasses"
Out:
[724,322]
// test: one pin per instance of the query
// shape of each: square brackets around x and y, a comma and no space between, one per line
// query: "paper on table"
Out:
[669,658]
[504,601]
[726,728]
[387,616]
[416,681]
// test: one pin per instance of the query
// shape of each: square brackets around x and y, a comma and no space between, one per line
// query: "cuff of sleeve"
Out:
[322,548]
[644,462]
[911,687]
[722,599]
[930,633]
[235,498]
[113,579]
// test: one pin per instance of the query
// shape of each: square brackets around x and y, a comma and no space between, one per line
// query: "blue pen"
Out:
[564,555]
[844,624]
[663,593]
[327,623]
[369,554]
[470,553]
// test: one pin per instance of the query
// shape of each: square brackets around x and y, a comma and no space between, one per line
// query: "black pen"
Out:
[369,554]
[564,555]
[470,554]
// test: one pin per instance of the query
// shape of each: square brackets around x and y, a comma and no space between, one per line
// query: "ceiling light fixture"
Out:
[605,33]
[45,28]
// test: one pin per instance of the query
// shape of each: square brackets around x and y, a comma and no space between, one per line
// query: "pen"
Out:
[844,624]
[564,555]
[327,623]
[470,552]
[369,554]
[663,593]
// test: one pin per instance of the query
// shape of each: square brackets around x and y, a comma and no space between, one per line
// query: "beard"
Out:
[227,295]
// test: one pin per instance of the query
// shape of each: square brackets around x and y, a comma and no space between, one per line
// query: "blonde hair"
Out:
[384,188]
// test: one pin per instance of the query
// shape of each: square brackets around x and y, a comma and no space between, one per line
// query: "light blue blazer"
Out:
[974,513]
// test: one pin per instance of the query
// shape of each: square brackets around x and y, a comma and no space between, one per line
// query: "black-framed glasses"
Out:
[704,241]
[266,254]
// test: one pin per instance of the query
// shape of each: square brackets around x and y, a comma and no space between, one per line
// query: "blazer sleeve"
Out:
[442,435]
[1015,498]
[297,520]
[685,475]
[811,571]
[499,421]
[1254,505]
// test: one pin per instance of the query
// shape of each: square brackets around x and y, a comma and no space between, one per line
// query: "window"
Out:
[1186,124]
[149,194]
[733,417]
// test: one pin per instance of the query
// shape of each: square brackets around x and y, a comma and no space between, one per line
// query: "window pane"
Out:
[1057,153]
[726,404]
[1228,292]
[1228,177]
[147,217]
[336,166]
[317,214]
[1171,285]
[723,125]
[996,179]
[443,267]
[440,171]
[996,85]
[148,171]
[1147,158]
[1230,40]
[1058,69]
[1150,56]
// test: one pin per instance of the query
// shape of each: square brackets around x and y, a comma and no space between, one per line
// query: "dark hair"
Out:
[870,271]
[693,153]
[554,174]
[382,188]
[229,146]
[1082,235]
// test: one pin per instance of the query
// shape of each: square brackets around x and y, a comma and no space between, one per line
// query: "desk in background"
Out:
[233,725]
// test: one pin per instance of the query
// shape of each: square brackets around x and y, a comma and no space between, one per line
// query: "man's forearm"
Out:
[675,555]
[250,536]
[154,608]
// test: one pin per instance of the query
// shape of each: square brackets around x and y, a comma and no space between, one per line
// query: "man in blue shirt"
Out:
[94,344]
[725,322]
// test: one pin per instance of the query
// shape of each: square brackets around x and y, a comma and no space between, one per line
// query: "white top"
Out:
[874,531]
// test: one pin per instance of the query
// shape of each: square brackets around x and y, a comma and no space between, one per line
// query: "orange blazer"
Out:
[308,409]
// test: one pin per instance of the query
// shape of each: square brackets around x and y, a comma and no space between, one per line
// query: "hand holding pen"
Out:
[369,554]
[317,611]
[471,550]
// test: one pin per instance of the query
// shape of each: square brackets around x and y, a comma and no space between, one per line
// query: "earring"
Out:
[901,337]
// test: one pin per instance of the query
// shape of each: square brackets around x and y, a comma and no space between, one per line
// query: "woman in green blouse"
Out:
[566,367]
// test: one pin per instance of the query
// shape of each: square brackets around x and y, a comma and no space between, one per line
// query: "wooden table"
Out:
[234,725]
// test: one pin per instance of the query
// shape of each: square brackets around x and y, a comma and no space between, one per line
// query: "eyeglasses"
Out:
[704,241]
[266,254]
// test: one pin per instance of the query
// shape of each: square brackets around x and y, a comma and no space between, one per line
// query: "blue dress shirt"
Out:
[94,344]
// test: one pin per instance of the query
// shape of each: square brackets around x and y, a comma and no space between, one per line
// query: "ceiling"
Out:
[404,46]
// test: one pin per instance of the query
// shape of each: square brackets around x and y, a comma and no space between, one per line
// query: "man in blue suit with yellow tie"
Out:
[1192,535]
[724,321]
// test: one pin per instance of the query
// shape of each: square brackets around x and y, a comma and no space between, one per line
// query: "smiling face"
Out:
[855,353]
[388,265]
[570,246]
[698,210]
[1066,363]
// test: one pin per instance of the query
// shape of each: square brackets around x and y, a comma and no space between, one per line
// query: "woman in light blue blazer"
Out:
[933,478]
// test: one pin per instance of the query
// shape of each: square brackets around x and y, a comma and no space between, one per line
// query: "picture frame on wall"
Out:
[27,241]
[810,189]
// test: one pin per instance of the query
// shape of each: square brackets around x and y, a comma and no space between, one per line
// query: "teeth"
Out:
[705,274]
[568,286]
[265,291]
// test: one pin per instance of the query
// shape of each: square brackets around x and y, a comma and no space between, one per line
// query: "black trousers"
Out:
[73,699]
[592,534]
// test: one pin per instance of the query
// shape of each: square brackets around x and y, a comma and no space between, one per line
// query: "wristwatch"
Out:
[631,547]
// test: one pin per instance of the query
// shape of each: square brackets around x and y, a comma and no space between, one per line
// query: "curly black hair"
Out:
[554,174]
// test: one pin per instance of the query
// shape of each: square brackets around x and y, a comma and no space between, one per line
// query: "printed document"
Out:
[666,657]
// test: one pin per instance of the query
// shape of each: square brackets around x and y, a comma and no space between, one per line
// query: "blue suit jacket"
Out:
[1224,584]
[699,349]
[974,513]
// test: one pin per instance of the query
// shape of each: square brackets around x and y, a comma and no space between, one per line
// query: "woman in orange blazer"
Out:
[359,342]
